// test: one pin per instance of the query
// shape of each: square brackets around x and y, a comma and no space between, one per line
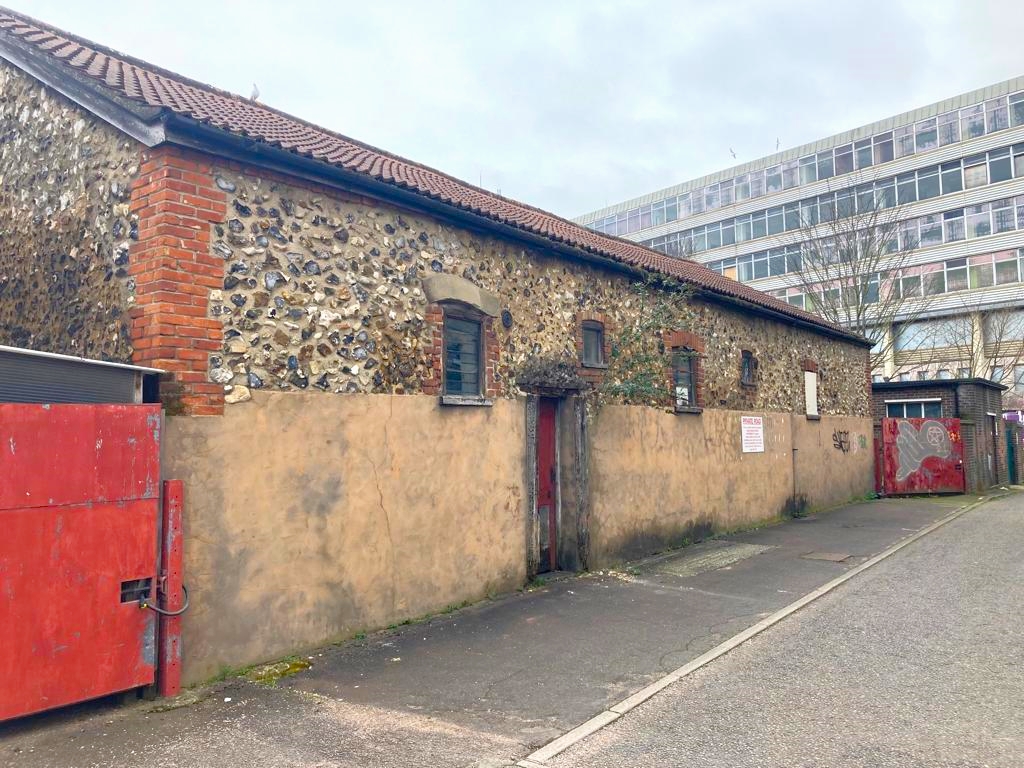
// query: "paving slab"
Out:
[488,684]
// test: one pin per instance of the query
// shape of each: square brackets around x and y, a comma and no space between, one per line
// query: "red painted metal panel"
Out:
[547,512]
[171,554]
[78,513]
[65,635]
[73,454]
[922,456]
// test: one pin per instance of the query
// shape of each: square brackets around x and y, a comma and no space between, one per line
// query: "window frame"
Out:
[690,356]
[811,409]
[464,315]
[748,368]
[592,326]
[901,406]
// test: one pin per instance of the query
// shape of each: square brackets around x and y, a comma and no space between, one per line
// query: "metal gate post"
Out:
[170,589]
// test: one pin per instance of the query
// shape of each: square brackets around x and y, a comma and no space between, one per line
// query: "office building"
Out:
[954,174]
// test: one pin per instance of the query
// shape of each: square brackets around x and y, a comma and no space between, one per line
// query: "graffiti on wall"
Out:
[841,440]
[914,445]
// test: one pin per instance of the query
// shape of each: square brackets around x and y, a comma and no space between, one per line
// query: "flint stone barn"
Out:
[341,332]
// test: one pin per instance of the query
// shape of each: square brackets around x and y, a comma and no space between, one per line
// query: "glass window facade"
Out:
[924,184]
[925,135]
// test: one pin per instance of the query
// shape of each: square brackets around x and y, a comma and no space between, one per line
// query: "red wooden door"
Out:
[79,496]
[922,456]
[547,485]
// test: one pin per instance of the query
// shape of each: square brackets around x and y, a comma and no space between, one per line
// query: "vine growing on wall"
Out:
[638,364]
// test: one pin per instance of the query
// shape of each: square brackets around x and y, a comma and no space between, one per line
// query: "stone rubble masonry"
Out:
[175,199]
[322,290]
[65,224]
[234,279]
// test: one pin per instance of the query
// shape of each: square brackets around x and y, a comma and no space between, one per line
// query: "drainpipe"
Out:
[792,442]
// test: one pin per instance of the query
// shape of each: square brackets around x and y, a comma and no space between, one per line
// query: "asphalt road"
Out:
[919,661]
[485,686]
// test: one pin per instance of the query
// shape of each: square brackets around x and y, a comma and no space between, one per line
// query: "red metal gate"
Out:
[922,456]
[79,507]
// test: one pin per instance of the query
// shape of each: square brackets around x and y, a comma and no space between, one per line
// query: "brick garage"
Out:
[978,405]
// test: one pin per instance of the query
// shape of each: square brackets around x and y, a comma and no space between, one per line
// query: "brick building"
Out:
[978,405]
[344,335]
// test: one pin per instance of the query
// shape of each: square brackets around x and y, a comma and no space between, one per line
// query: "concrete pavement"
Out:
[915,662]
[486,685]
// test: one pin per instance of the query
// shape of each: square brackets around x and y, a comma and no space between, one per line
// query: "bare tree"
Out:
[855,265]
[997,349]
[976,342]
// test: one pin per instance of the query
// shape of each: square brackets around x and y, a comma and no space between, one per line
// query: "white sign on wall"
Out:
[752,433]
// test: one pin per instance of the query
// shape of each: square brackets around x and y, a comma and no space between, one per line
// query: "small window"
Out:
[593,344]
[811,392]
[748,368]
[462,353]
[684,377]
[925,409]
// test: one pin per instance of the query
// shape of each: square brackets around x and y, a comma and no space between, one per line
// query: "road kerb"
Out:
[613,713]
[577,734]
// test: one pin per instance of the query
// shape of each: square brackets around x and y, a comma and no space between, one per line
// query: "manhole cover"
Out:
[832,557]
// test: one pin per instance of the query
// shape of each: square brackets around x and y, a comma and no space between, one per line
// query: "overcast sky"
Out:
[571,105]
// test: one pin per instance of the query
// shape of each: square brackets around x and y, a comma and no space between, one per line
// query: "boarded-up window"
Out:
[811,392]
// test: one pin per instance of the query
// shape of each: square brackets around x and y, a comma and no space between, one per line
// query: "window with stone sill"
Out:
[748,368]
[593,344]
[463,355]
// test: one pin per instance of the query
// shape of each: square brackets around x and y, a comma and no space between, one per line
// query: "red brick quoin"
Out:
[176,200]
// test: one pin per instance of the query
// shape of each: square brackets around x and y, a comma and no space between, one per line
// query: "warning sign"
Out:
[752,433]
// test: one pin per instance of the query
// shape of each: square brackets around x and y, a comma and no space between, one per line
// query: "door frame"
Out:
[572,481]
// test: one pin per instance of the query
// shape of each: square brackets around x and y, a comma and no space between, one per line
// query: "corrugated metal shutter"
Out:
[32,379]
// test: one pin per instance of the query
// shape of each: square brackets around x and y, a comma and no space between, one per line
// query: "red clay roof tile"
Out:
[155,87]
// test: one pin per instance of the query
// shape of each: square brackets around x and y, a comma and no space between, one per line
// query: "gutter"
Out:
[142,123]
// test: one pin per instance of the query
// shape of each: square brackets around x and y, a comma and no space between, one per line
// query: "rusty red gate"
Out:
[79,513]
[922,456]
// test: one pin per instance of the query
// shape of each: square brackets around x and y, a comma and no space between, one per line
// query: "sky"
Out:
[571,105]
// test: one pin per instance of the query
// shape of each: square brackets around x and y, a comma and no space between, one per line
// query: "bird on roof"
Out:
[255,92]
